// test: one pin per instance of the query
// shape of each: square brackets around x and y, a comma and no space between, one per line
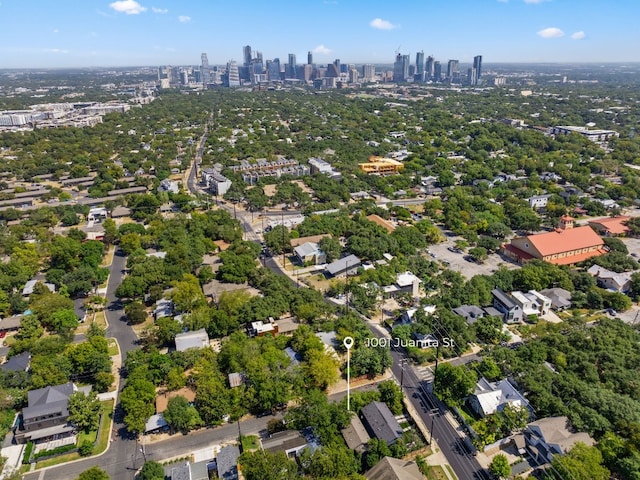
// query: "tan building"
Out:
[381,166]
[565,246]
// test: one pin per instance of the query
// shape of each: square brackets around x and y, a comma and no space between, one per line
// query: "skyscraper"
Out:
[205,73]
[309,58]
[453,71]
[369,72]
[233,77]
[428,68]
[476,70]
[290,69]
[420,66]
[273,70]
[246,55]
[401,68]
[437,71]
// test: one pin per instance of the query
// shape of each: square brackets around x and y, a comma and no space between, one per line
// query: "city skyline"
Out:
[43,34]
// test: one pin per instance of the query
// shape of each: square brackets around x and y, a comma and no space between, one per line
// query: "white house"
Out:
[195,339]
[491,397]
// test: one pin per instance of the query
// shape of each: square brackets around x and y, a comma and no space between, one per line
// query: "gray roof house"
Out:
[471,313]
[491,397]
[617,282]
[291,442]
[511,311]
[355,435]
[552,436]
[195,339]
[343,266]
[227,462]
[309,252]
[46,414]
[394,469]
[380,422]
[17,363]
[560,298]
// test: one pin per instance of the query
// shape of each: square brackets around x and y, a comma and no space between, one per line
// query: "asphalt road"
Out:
[432,412]
[117,461]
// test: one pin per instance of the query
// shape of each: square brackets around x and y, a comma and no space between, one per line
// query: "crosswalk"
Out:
[424,373]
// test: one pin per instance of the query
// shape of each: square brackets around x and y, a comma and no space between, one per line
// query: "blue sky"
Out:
[79,33]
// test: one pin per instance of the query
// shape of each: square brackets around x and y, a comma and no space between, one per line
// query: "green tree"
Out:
[581,463]
[151,471]
[135,312]
[187,294]
[180,415]
[499,466]
[268,466]
[321,369]
[331,247]
[391,394]
[278,240]
[454,383]
[94,473]
[84,410]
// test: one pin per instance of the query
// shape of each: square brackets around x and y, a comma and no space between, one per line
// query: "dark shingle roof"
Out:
[380,422]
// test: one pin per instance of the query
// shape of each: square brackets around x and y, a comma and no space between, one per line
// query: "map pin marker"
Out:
[348,342]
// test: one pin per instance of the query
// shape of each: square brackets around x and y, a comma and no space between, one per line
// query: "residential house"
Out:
[188,471]
[607,203]
[504,303]
[46,413]
[538,201]
[236,378]
[29,286]
[617,282]
[310,253]
[552,436]
[407,317]
[291,442]
[155,423]
[296,242]
[164,308]
[17,363]
[560,298]
[380,422]
[227,462]
[167,185]
[565,246]
[260,328]
[611,226]
[96,214]
[471,313]
[406,282]
[343,266]
[390,468]
[10,324]
[355,435]
[491,397]
[532,303]
[194,339]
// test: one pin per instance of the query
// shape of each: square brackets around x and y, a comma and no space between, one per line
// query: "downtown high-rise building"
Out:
[420,66]
[233,77]
[310,58]
[453,71]
[437,71]
[246,55]
[368,72]
[476,71]
[205,72]
[401,68]
[273,70]
[290,68]
[428,68]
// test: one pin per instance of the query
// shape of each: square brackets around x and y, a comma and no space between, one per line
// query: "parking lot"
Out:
[468,269]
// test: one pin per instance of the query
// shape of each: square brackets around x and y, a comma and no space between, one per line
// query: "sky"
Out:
[85,33]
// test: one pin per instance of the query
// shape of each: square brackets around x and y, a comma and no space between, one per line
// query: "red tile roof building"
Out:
[564,246]
[611,226]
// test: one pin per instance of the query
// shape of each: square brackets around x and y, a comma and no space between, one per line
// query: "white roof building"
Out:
[195,339]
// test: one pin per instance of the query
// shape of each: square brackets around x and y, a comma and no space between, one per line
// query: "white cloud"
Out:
[159,10]
[55,30]
[55,50]
[381,24]
[578,35]
[130,7]
[551,32]
[535,1]
[330,2]
[322,50]
[184,19]
[503,1]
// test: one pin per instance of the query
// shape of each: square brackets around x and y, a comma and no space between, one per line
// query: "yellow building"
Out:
[381,165]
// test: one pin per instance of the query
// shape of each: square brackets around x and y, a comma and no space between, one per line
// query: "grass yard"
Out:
[108,258]
[113,347]
[250,443]
[436,472]
[101,445]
